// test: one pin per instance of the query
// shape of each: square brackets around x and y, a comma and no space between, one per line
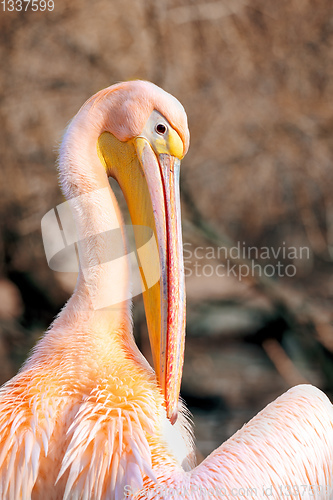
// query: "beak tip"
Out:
[173,417]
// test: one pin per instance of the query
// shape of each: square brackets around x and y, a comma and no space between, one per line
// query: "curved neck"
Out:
[102,291]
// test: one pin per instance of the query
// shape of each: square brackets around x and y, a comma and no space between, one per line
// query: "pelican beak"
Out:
[150,183]
[167,337]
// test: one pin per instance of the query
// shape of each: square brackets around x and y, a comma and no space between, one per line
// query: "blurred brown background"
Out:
[256,79]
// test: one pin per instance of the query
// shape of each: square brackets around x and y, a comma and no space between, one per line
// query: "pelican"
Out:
[87,418]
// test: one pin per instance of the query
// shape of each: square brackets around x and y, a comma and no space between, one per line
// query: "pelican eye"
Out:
[160,128]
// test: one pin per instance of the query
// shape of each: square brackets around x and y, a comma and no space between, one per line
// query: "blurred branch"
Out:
[283,363]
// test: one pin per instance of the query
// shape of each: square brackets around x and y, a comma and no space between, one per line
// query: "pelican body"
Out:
[87,418]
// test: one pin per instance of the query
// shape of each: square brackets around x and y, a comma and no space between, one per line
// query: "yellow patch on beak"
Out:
[171,144]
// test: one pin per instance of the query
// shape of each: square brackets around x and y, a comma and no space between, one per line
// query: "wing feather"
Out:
[113,441]
[290,442]
[25,432]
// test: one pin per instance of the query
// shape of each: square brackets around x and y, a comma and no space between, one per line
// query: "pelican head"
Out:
[145,136]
